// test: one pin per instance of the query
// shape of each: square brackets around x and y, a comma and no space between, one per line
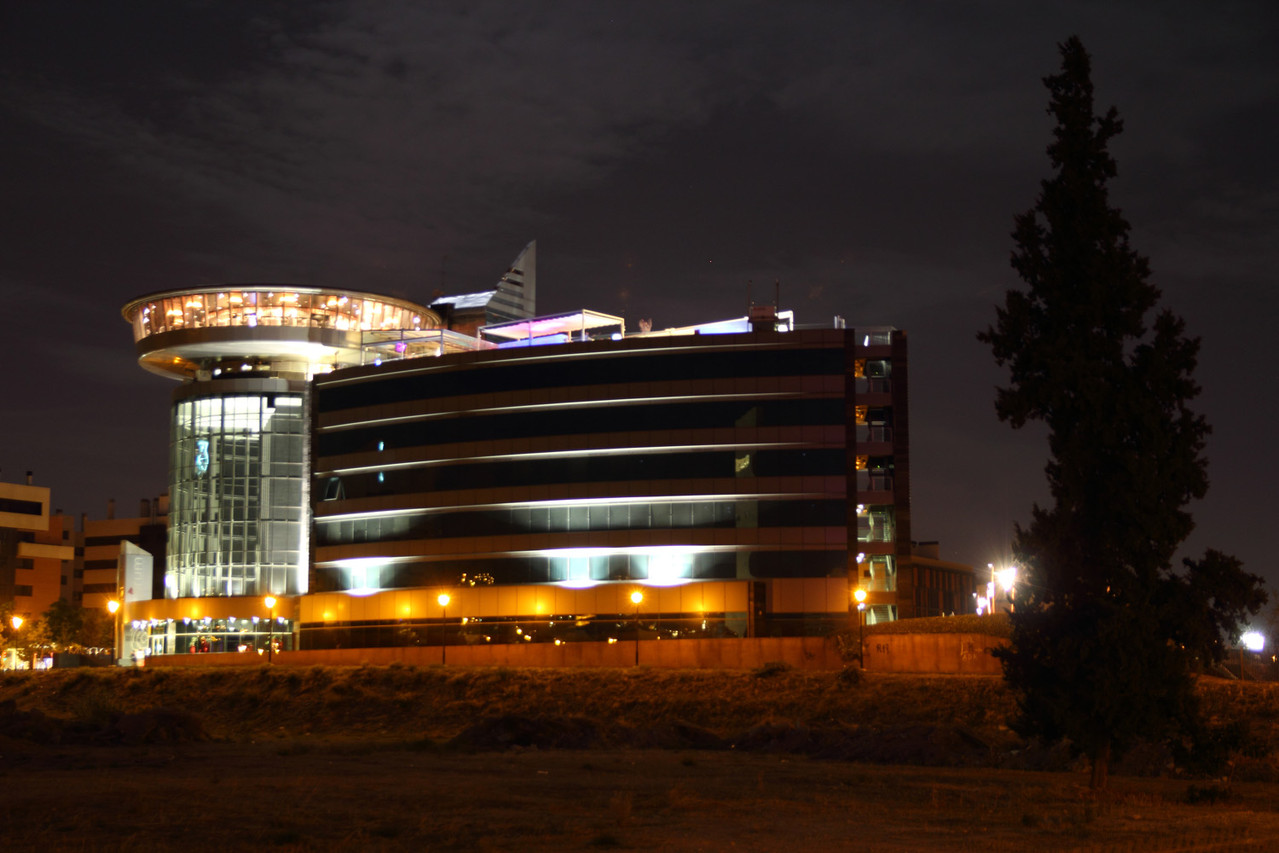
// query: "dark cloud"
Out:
[672,159]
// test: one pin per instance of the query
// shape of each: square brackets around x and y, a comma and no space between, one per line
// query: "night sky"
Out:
[671,160]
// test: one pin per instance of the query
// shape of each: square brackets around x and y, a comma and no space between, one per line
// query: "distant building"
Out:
[937,587]
[100,579]
[37,550]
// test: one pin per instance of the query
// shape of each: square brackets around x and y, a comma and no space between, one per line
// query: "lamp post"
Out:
[113,607]
[16,622]
[269,601]
[637,598]
[859,595]
[444,627]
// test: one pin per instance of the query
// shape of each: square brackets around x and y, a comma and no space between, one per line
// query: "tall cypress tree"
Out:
[1105,634]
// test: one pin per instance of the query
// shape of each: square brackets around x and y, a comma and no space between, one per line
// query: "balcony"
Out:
[867,385]
[874,434]
[870,481]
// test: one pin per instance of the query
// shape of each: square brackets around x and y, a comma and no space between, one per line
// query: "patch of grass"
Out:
[850,676]
[771,668]
[1209,794]
[620,806]
[605,840]
[95,709]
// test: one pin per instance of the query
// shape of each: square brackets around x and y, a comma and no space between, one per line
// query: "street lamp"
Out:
[444,627]
[1253,641]
[113,607]
[16,622]
[269,601]
[859,595]
[1007,580]
[637,598]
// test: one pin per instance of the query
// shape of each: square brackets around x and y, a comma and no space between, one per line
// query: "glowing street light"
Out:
[1007,578]
[444,618]
[637,598]
[16,622]
[269,601]
[1007,581]
[859,595]
[1253,641]
[113,607]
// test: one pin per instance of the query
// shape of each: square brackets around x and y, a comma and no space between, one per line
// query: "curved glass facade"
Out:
[268,307]
[238,487]
[666,461]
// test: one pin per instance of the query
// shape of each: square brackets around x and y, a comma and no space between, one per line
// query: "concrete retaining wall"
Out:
[969,654]
[815,653]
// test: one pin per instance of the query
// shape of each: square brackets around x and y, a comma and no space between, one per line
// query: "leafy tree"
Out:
[97,630]
[64,620]
[8,634]
[1105,635]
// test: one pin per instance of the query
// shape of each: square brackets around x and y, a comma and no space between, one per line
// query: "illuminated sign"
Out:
[201,456]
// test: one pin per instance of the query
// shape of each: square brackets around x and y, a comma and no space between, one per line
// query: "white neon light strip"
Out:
[523,356]
[571,454]
[568,404]
[572,502]
[671,575]
[367,562]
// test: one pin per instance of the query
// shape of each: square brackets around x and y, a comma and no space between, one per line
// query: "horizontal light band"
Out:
[567,404]
[574,454]
[572,502]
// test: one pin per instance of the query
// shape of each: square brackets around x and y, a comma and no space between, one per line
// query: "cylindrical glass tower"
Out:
[238,441]
[237,468]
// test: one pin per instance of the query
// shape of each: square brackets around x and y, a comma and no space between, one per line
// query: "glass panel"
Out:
[237,486]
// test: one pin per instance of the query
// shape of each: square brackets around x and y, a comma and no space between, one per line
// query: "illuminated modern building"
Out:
[245,356]
[387,469]
[746,476]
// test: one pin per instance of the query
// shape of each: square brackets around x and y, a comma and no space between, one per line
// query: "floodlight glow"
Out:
[1253,641]
[669,567]
[579,583]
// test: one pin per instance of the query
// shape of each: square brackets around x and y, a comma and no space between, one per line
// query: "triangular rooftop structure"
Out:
[514,298]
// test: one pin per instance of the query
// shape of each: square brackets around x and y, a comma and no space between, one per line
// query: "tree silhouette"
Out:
[64,620]
[1105,635]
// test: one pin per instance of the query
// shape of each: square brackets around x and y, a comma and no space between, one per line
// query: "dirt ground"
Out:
[403,758]
[302,795]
